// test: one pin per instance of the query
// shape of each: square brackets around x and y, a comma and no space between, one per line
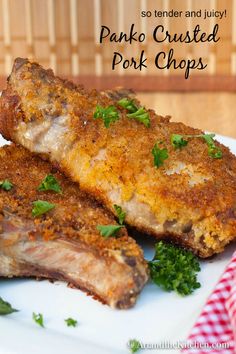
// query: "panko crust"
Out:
[75,216]
[70,229]
[202,193]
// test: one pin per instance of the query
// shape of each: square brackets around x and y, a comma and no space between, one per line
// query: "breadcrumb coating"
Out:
[75,215]
[63,243]
[191,199]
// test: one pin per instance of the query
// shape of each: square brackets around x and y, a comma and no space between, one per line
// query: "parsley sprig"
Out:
[71,322]
[213,150]
[109,230]
[173,268]
[120,214]
[6,185]
[38,318]
[41,207]
[129,105]
[107,114]
[159,155]
[138,113]
[50,183]
[112,230]
[142,116]
[179,141]
[134,345]
[6,308]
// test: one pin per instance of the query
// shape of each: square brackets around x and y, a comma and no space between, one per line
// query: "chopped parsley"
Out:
[134,345]
[173,268]
[6,185]
[38,318]
[207,137]
[142,116]
[107,114]
[6,308]
[129,105]
[49,183]
[41,207]
[109,230]
[178,141]
[160,155]
[213,150]
[138,113]
[120,214]
[71,322]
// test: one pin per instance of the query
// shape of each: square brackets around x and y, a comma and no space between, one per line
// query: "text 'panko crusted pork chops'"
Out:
[64,243]
[191,199]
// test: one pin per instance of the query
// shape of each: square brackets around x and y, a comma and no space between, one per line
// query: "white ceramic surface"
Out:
[158,316]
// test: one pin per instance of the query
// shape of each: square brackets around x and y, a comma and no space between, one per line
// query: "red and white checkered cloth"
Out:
[215,329]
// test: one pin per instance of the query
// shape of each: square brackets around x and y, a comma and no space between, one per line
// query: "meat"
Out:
[190,200]
[63,243]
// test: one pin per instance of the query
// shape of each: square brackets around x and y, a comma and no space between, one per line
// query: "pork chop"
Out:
[188,197]
[64,243]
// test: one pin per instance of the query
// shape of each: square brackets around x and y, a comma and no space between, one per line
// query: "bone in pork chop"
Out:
[63,243]
[189,199]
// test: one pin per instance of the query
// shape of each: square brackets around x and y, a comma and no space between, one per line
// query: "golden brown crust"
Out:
[71,225]
[7,119]
[75,216]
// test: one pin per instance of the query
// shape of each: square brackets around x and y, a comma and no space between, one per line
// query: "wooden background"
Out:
[64,35]
[211,111]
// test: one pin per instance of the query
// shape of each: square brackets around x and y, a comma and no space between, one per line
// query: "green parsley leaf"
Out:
[178,141]
[41,207]
[49,183]
[109,230]
[207,137]
[6,308]
[108,114]
[173,268]
[71,322]
[160,155]
[134,345]
[6,185]
[141,115]
[129,105]
[38,318]
[213,150]
[120,214]
[138,113]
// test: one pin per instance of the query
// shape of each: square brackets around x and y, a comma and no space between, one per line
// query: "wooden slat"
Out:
[178,25]
[86,40]
[203,49]
[212,111]
[154,83]
[17,27]
[40,30]
[152,22]
[62,35]
[109,18]
[224,46]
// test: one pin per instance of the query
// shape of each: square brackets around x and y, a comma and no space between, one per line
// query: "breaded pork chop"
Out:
[190,199]
[63,243]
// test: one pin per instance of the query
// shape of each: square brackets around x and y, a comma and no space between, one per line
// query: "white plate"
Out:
[157,317]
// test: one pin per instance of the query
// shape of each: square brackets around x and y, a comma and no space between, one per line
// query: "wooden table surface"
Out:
[215,112]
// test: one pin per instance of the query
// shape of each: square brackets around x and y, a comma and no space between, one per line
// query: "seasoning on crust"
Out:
[191,199]
[64,243]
